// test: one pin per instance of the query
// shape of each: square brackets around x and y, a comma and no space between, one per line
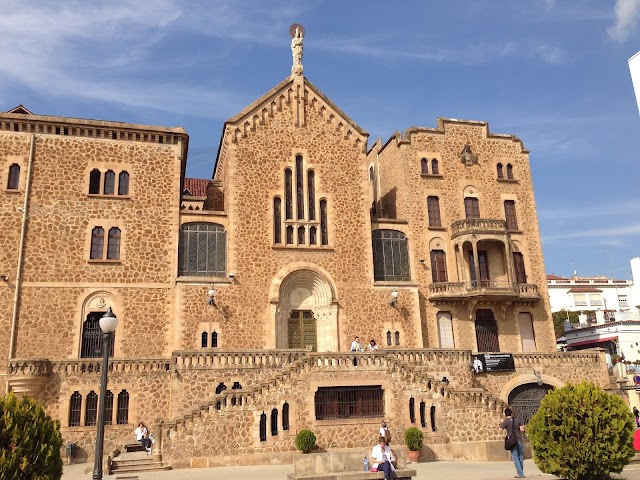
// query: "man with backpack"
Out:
[385,433]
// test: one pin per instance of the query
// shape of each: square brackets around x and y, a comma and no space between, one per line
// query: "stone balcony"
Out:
[485,289]
[486,227]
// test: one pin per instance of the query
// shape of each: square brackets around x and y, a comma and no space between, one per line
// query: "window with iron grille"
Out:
[299,188]
[214,339]
[324,228]
[289,235]
[285,416]
[486,331]
[333,403]
[123,408]
[412,410]
[113,244]
[204,340]
[263,427]
[510,214]
[75,408]
[123,183]
[274,422]
[390,255]
[288,194]
[277,221]
[397,338]
[91,409]
[424,166]
[92,337]
[509,171]
[203,250]
[97,243]
[438,266]
[109,182]
[433,210]
[311,191]
[471,207]
[389,339]
[108,408]
[434,167]
[500,171]
[13,181]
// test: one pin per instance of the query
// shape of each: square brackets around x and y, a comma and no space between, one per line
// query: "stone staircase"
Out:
[135,460]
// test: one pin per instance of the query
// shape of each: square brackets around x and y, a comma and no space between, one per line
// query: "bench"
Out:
[343,465]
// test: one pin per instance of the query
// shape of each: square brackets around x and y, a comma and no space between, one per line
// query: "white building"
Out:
[634,67]
[620,337]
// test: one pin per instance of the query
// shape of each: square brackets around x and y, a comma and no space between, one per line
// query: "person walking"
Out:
[514,427]
[636,413]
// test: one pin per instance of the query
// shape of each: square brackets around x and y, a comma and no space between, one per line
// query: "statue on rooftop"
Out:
[297,36]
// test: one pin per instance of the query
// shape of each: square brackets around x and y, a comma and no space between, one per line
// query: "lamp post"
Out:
[108,324]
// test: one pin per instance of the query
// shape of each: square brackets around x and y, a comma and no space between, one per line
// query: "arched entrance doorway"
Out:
[525,400]
[306,314]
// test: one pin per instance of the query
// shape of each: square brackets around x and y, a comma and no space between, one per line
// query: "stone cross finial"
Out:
[297,36]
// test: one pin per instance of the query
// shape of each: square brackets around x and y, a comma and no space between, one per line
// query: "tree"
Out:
[559,318]
[30,441]
[580,432]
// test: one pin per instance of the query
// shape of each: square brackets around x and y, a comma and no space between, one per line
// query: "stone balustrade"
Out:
[232,358]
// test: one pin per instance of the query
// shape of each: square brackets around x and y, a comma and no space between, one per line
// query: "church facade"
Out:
[239,297]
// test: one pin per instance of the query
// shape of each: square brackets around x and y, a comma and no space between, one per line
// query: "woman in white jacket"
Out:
[382,456]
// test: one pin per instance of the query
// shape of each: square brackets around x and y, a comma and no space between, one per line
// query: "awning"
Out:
[588,342]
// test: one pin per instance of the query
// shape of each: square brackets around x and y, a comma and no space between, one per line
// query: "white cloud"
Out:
[621,208]
[626,14]
[604,235]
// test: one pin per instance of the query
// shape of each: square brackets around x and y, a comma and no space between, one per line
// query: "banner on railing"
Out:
[492,362]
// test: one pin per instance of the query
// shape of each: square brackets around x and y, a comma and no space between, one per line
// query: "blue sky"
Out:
[554,73]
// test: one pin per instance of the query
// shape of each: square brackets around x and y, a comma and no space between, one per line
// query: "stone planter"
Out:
[414,456]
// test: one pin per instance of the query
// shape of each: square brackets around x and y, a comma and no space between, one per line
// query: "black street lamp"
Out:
[108,324]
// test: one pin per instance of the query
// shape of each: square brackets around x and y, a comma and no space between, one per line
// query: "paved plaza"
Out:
[432,470]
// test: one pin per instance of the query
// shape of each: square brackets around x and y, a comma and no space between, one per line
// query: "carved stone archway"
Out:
[307,289]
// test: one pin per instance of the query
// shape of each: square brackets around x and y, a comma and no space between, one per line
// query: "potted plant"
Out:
[305,440]
[413,438]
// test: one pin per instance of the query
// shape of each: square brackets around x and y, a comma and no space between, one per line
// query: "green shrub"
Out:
[305,440]
[581,432]
[413,437]
[30,441]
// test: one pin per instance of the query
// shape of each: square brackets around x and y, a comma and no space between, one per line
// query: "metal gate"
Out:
[486,331]
[525,400]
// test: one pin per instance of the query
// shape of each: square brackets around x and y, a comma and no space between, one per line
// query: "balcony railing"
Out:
[487,226]
[483,288]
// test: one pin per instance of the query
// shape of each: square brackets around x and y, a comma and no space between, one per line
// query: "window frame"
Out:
[471,207]
[433,211]
[390,251]
[13,177]
[213,257]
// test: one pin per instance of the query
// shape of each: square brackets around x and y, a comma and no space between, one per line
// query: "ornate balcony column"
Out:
[476,263]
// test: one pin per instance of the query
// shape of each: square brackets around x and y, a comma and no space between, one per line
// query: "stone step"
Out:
[138,468]
[122,463]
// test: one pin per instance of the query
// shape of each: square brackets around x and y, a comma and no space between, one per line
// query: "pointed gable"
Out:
[21,109]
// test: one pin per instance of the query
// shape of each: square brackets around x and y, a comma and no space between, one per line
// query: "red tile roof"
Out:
[555,277]
[195,187]
[584,290]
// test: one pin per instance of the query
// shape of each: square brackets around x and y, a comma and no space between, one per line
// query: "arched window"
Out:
[123,183]
[390,256]
[423,416]
[108,408]
[311,191]
[203,250]
[109,182]
[123,408]
[412,410]
[92,337]
[277,221]
[236,386]
[289,235]
[97,243]
[113,244]
[472,207]
[372,175]
[432,415]
[486,331]
[204,340]
[324,229]
[438,266]
[263,427]
[445,330]
[75,408]
[424,166]
[91,410]
[434,167]
[94,182]
[301,235]
[313,235]
[274,422]
[510,214]
[13,182]
[389,343]
[509,171]
[285,416]
[221,386]
[433,210]
[299,188]
[397,335]
[288,194]
[214,339]
[500,171]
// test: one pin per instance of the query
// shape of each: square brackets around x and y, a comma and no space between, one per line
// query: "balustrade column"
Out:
[511,274]
[476,263]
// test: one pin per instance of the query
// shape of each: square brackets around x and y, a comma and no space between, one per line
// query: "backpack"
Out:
[387,436]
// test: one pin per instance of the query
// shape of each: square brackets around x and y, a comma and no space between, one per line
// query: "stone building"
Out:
[239,296]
